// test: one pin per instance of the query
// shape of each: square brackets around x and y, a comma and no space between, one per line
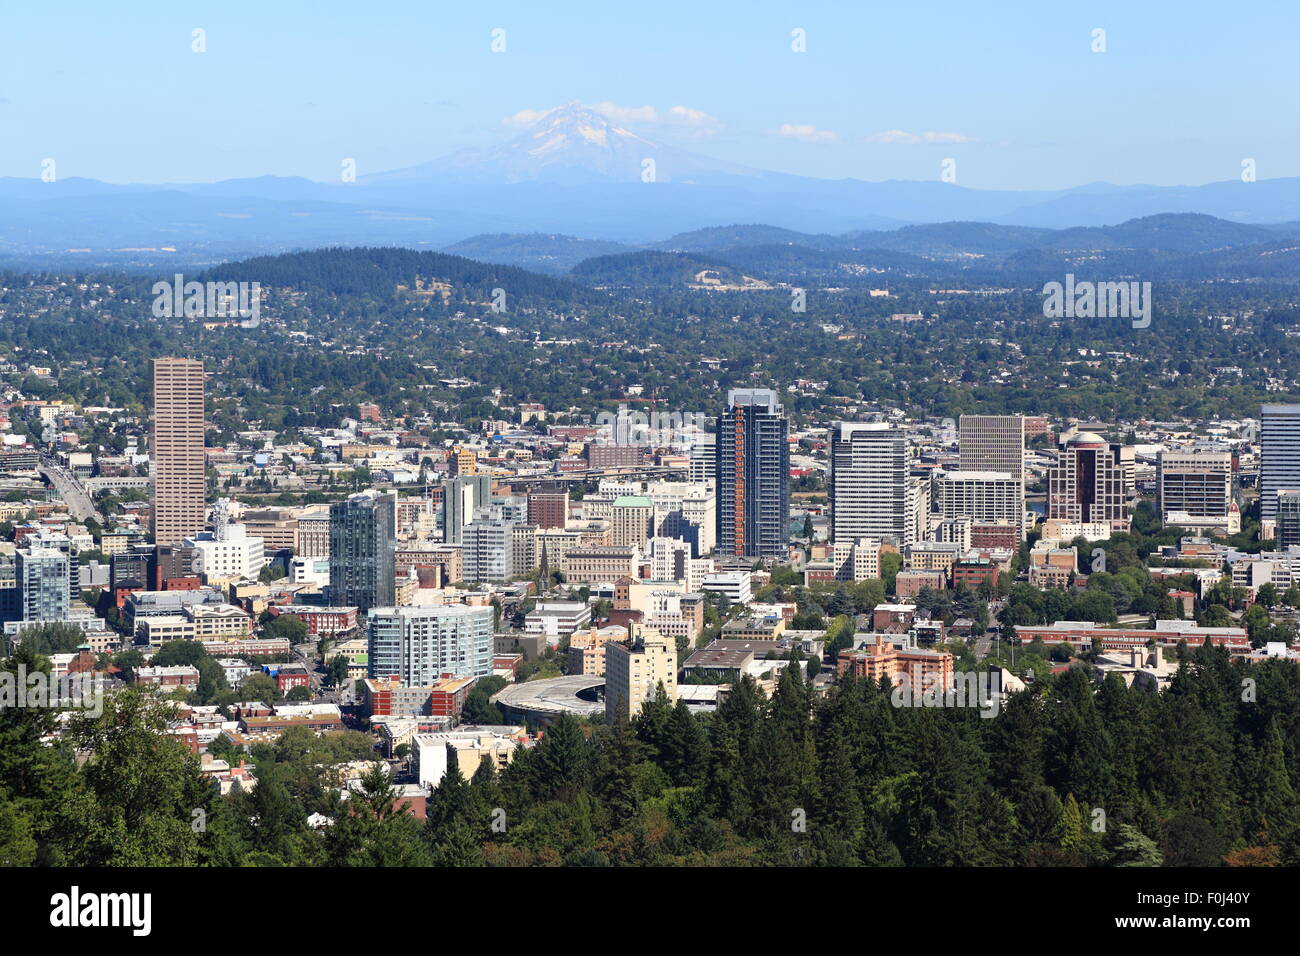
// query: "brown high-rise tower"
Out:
[176,453]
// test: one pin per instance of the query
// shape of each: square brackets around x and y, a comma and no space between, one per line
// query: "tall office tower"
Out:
[524,555]
[1195,482]
[1086,483]
[420,644]
[1279,434]
[461,497]
[363,544]
[996,443]
[703,453]
[986,497]
[1127,457]
[132,568]
[176,455]
[635,668]
[61,543]
[872,494]
[918,508]
[753,474]
[42,578]
[992,443]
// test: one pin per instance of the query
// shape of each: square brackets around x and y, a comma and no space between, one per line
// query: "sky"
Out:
[1013,92]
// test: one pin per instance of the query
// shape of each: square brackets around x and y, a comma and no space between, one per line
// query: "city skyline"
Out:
[707,439]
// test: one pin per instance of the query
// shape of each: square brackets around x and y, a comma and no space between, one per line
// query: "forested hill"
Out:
[383,272]
[663,269]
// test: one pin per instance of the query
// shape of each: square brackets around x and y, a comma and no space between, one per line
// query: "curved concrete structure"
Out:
[541,701]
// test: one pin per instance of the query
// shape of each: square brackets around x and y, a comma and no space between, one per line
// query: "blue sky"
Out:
[886,90]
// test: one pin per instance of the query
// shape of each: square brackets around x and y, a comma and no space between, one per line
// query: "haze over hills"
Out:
[953,248]
[575,173]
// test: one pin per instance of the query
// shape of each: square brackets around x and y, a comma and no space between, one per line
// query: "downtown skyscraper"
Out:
[1086,484]
[753,475]
[993,443]
[992,446]
[873,494]
[1279,469]
[176,452]
[363,546]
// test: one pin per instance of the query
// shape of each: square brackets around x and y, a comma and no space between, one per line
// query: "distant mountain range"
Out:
[1175,245]
[580,180]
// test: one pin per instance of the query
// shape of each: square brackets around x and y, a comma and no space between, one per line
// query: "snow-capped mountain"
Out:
[575,145]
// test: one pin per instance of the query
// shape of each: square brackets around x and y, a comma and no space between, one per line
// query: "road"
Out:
[307,655]
[73,494]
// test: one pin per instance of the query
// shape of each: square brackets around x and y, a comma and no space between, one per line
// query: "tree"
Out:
[1216,615]
[1093,605]
[336,672]
[142,788]
[53,638]
[271,572]
[287,626]
[890,564]
[1190,840]
[179,653]
[260,686]
[479,708]
[563,758]
[18,847]
[1131,847]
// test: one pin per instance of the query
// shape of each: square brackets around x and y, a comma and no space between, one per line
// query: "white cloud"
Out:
[627,114]
[690,117]
[895,136]
[808,133]
[524,118]
[696,121]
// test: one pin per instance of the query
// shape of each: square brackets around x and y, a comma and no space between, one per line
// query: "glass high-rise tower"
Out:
[363,545]
[753,474]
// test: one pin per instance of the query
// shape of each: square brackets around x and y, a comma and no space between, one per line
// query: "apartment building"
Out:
[420,644]
[634,671]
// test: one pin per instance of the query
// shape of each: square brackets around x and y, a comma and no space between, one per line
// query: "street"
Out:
[74,495]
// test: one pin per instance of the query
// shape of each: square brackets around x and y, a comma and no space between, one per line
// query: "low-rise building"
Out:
[876,656]
[433,754]
[169,678]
